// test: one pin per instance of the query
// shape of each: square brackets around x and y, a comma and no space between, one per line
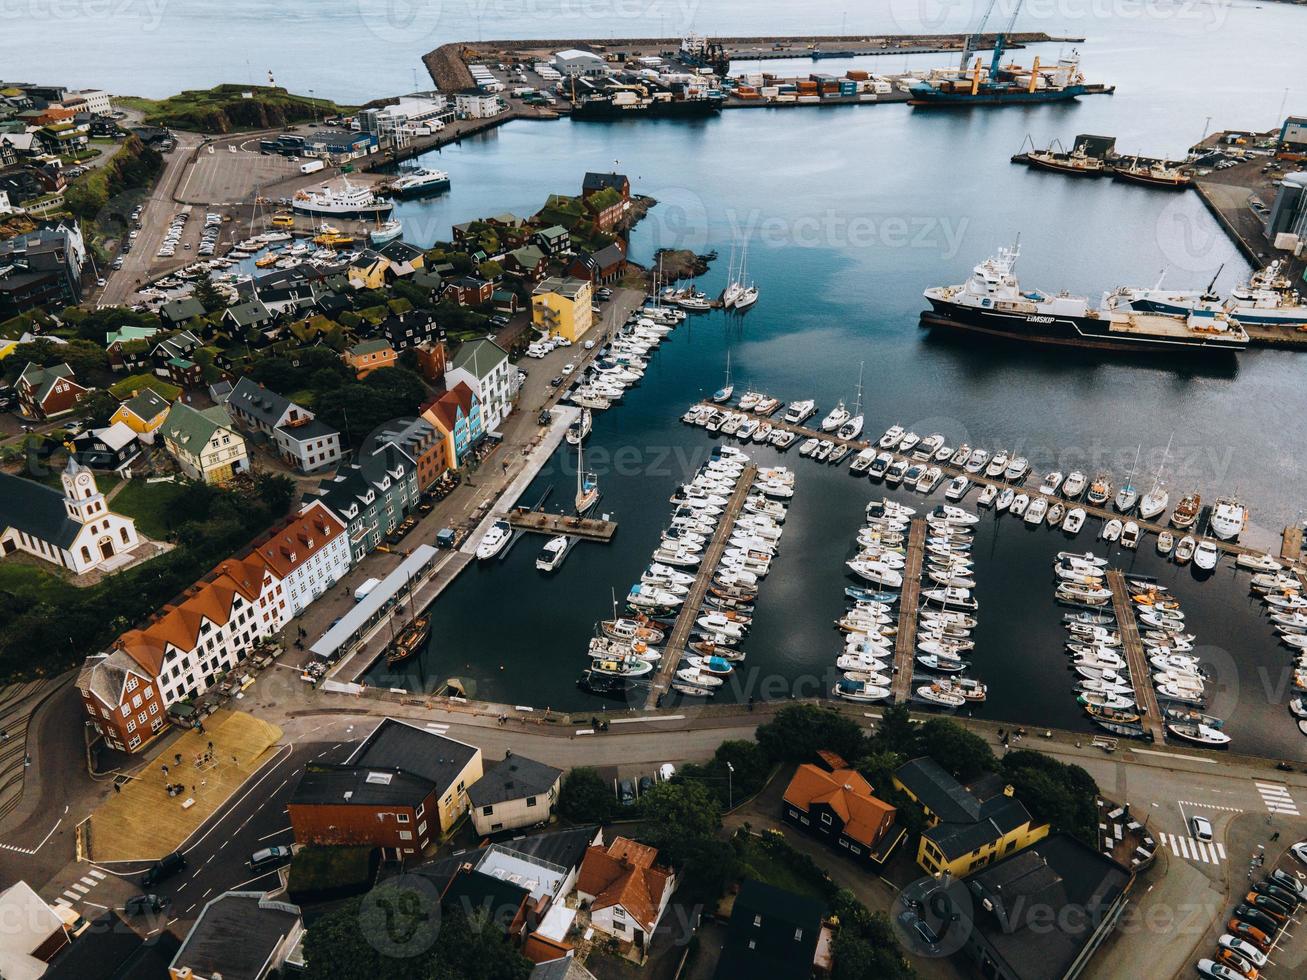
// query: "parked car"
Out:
[1299,850]
[144,904]
[568,368]
[1200,828]
[268,858]
[1282,879]
[555,382]
[163,869]
[1285,897]
[1244,948]
[1268,905]
[1249,934]
[1255,917]
[626,793]
[1210,968]
[1229,958]
[589,345]
[646,784]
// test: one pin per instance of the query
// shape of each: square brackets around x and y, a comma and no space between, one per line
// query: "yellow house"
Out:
[563,306]
[967,827]
[368,270]
[143,413]
[205,444]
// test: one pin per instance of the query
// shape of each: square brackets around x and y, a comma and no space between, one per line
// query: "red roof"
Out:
[848,794]
[624,874]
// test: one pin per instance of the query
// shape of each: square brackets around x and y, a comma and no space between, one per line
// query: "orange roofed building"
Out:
[625,890]
[837,805]
[128,689]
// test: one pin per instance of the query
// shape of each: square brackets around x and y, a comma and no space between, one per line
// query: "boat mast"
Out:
[857,408]
[1157,480]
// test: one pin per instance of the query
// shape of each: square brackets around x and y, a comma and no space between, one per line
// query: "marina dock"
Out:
[1150,715]
[680,633]
[589,529]
[1104,513]
[905,643]
[1291,544]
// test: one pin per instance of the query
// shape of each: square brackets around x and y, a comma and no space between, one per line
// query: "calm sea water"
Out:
[850,213]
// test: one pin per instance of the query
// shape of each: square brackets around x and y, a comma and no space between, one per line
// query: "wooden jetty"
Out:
[905,642]
[712,556]
[1150,715]
[1291,543]
[979,481]
[541,522]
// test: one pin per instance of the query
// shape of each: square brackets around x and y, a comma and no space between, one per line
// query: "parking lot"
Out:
[225,174]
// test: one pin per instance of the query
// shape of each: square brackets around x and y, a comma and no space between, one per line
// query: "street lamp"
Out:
[730,786]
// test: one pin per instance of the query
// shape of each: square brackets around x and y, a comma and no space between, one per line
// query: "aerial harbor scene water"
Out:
[841,467]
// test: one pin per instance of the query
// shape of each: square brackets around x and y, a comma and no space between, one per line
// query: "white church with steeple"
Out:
[74,529]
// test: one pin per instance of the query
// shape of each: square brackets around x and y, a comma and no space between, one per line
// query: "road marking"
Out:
[97,874]
[1202,852]
[632,721]
[275,833]
[1175,755]
[80,888]
[89,882]
[72,896]
[1210,806]
[1277,799]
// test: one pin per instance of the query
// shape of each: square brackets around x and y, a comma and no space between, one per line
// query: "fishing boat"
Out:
[1117,702]
[385,231]
[698,678]
[1100,490]
[945,698]
[494,540]
[410,640]
[1228,519]
[856,690]
[1186,511]
[1199,734]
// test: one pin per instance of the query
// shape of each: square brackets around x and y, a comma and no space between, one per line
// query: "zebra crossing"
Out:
[1277,799]
[1204,852]
[77,891]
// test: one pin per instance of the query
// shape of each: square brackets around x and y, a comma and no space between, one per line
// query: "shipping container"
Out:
[769,91]
[313,166]
[857,74]
[867,97]
[787,98]
[809,99]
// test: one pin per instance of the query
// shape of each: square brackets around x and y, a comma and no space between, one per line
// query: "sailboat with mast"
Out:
[412,638]
[731,294]
[748,294]
[1129,493]
[587,484]
[1156,499]
[723,394]
[853,427]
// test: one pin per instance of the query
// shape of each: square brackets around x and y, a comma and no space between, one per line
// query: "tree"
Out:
[1061,794]
[97,407]
[396,933]
[209,295]
[963,754]
[585,797]
[799,731]
[896,732]
[678,814]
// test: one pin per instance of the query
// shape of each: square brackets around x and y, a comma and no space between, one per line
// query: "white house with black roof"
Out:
[298,437]
[484,367]
[517,792]
[74,529]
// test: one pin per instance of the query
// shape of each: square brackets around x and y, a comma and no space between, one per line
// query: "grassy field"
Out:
[30,583]
[226,109]
[764,864]
[151,506]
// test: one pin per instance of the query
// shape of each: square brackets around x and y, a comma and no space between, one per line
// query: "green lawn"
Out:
[763,864]
[151,505]
[30,582]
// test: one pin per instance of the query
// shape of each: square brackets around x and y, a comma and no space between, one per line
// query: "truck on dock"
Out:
[312,167]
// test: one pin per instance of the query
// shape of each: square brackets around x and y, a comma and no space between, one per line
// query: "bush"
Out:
[799,731]
[321,874]
[585,797]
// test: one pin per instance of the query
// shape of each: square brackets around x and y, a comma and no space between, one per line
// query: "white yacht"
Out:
[494,540]
[1154,502]
[837,417]
[587,484]
[420,181]
[347,201]
[1229,518]
[386,231]
[552,554]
